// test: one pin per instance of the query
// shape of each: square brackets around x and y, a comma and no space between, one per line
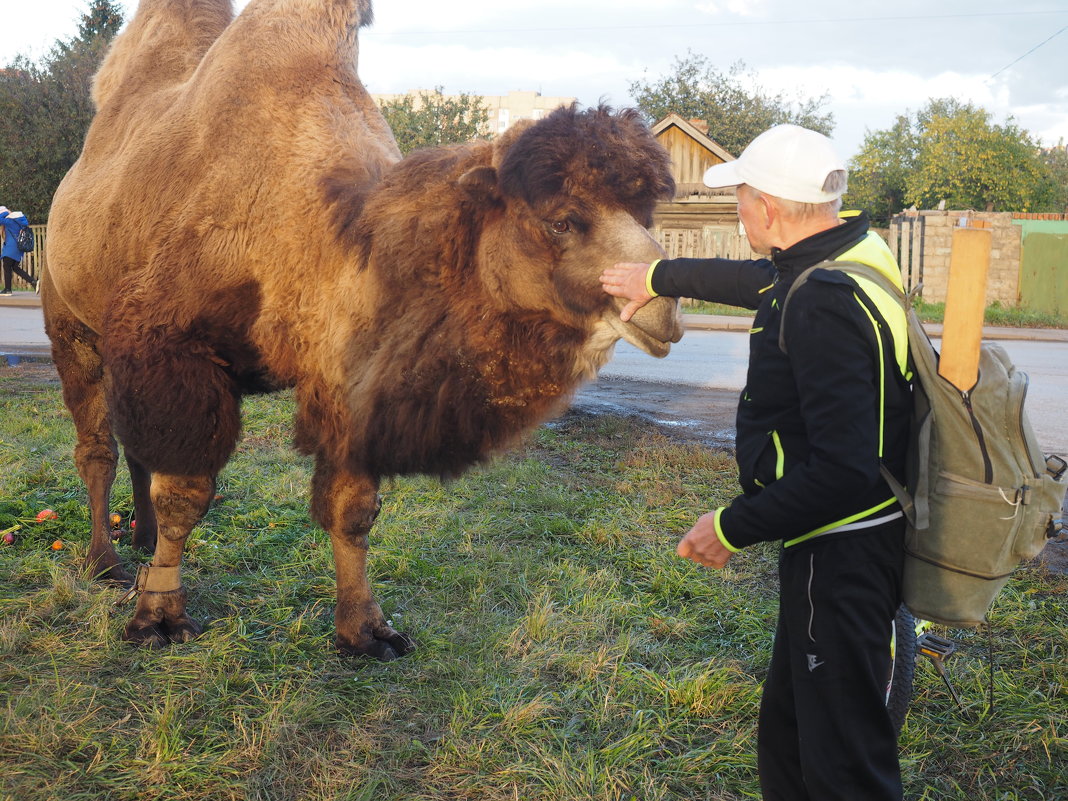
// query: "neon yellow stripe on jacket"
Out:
[873,251]
[844,521]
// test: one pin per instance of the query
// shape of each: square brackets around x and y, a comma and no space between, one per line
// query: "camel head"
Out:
[568,196]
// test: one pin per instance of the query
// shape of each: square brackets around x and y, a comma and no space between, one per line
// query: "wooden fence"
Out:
[703,243]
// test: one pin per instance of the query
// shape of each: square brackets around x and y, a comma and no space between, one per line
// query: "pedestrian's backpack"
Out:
[24,239]
[980,496]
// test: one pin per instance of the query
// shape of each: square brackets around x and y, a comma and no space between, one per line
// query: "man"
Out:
[814,423]
[11,256]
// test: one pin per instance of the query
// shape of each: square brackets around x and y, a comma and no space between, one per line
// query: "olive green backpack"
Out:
[981,497]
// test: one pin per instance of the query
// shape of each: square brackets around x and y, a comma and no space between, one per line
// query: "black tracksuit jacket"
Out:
[811,423]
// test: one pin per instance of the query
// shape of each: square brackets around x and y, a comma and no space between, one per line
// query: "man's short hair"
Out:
[835,183]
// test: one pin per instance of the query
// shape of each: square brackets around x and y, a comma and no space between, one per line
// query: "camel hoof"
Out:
[158,635]
[153,626]
[183,629]
[385,646]
[145,636]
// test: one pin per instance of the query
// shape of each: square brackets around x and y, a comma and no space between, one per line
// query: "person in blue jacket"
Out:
[814,423]
[11,256]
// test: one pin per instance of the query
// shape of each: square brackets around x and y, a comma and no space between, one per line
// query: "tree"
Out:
[432,119]
[736,108]
[45,111]
[879,172]
[1056,161]
[953,153]
[970,163]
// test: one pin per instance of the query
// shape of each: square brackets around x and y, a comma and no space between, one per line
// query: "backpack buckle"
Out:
[1055,466]
[1056,529]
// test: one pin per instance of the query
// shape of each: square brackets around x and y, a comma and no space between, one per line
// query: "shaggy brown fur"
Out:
[238,222]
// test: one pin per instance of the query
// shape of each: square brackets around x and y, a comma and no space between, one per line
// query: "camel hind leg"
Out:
[81,371]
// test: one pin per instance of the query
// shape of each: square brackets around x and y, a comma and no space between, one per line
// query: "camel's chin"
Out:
[639,338]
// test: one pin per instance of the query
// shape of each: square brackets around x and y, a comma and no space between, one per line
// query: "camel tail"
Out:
[161,46]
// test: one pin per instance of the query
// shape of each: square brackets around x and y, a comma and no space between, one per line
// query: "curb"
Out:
[722,322]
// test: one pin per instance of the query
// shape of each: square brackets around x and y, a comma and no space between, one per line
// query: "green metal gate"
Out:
[1044,273]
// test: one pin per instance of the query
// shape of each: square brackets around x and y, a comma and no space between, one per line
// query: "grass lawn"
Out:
[565,652]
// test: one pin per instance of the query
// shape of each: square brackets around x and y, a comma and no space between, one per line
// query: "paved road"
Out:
[696,386]
[716,360]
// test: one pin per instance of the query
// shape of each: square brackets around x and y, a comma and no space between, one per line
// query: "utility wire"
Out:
[1025,55]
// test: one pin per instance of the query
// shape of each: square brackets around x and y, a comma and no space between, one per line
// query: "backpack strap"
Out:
[908,506]
[904,497]
[848,267]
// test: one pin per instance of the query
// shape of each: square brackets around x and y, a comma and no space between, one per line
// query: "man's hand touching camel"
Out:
[627,279]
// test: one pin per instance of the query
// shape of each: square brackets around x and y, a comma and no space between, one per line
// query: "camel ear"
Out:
[480,184]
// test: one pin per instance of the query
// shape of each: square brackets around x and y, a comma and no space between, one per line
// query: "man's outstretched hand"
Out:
[627,280]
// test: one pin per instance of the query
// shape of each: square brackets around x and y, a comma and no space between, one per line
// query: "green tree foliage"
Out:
[45,110]
[736,108]
[434,119]
[879,172]
[1056,161]
[953,153]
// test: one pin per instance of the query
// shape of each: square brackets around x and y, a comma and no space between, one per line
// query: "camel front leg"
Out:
[346,505]
[160,618]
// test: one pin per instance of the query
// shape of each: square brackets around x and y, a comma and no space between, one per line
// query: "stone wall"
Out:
[936,235]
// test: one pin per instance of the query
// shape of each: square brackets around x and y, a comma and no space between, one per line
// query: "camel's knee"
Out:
[180,502]
[96,453]
[345,504]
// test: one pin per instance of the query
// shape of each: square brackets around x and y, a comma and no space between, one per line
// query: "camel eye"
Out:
[560,227]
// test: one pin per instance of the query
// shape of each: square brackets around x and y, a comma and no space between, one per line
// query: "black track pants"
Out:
[11,266]
[824,733]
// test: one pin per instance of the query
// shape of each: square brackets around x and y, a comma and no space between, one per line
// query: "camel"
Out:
[240,221]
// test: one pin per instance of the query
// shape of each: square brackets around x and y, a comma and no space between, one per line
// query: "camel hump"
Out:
[161,46]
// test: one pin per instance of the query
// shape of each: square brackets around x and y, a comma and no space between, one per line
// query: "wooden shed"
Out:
[692,152]
[699,221]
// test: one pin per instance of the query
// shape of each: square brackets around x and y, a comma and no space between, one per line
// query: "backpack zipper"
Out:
[1036,471]
[988,467]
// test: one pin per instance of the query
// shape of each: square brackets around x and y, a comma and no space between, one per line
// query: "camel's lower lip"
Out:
[653,345]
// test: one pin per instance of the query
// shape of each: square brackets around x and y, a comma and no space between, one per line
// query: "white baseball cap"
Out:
[786,161]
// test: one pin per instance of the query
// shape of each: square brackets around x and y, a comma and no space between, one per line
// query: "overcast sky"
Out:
[875,60]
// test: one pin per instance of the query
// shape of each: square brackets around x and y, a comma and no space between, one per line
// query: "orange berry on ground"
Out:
[46,514]
[116,518]
[57,545]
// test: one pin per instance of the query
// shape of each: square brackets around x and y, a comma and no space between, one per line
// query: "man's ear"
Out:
[769,211]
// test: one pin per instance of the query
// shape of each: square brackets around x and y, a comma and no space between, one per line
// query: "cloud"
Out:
[488,15]
[740,8]
[392,67]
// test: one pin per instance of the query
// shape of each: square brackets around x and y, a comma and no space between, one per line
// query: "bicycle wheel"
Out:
[902,667]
